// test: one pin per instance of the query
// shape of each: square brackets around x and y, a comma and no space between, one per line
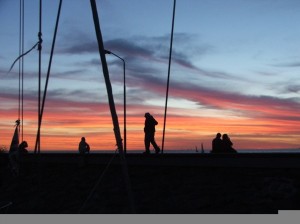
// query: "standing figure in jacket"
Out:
[149,130]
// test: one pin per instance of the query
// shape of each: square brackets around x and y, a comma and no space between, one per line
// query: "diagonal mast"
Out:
[112,106]
[106,77]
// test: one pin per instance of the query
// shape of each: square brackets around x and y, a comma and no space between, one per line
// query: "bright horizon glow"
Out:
[235,70]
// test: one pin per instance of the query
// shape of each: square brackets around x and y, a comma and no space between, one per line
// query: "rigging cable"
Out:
[21,65]
[48,75]
[20,59]
[168,82]
[37,145]
[20,37]
[22,71]
[92,191]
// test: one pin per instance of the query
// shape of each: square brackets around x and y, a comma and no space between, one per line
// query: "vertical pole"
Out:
[20,61]
[167,93]
[37,142]
[124,80]
[124,94]
[22,69]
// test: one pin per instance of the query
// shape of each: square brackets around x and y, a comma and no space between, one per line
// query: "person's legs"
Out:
[147,143]
[152,140]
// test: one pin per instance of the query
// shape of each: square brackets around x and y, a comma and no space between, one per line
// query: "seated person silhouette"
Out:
[227,144]
[217,144]
[23,148]
[83,146]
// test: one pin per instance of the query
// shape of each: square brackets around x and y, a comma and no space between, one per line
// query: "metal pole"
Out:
[167,93]
[125,137]
[124,95]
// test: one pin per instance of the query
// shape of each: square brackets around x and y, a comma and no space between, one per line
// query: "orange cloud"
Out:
[251,122]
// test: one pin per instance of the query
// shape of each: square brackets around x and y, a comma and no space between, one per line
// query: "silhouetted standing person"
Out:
[83,146]
[227,144]
[217,144]
[149,130]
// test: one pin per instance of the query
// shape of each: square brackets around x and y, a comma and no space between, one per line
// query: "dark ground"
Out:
[64,185]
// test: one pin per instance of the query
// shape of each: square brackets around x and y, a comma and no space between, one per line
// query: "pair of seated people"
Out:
[222,145]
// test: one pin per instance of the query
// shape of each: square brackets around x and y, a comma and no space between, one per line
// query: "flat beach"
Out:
[58,183]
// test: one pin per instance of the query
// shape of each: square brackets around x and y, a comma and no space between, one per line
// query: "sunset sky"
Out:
[235,69]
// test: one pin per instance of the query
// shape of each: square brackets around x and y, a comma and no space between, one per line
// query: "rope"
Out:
[97,183]
[6,206]
[168,82]
[22,55]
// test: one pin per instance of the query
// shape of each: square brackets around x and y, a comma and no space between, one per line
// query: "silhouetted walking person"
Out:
[83,146]
[217,144]
[227,144]
[149,130]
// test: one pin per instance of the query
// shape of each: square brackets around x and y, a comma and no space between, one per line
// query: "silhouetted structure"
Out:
[217,144]
[83,146]
[149,130]
[13,154]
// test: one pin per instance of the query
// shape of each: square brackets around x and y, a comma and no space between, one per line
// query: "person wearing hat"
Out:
[149,130]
